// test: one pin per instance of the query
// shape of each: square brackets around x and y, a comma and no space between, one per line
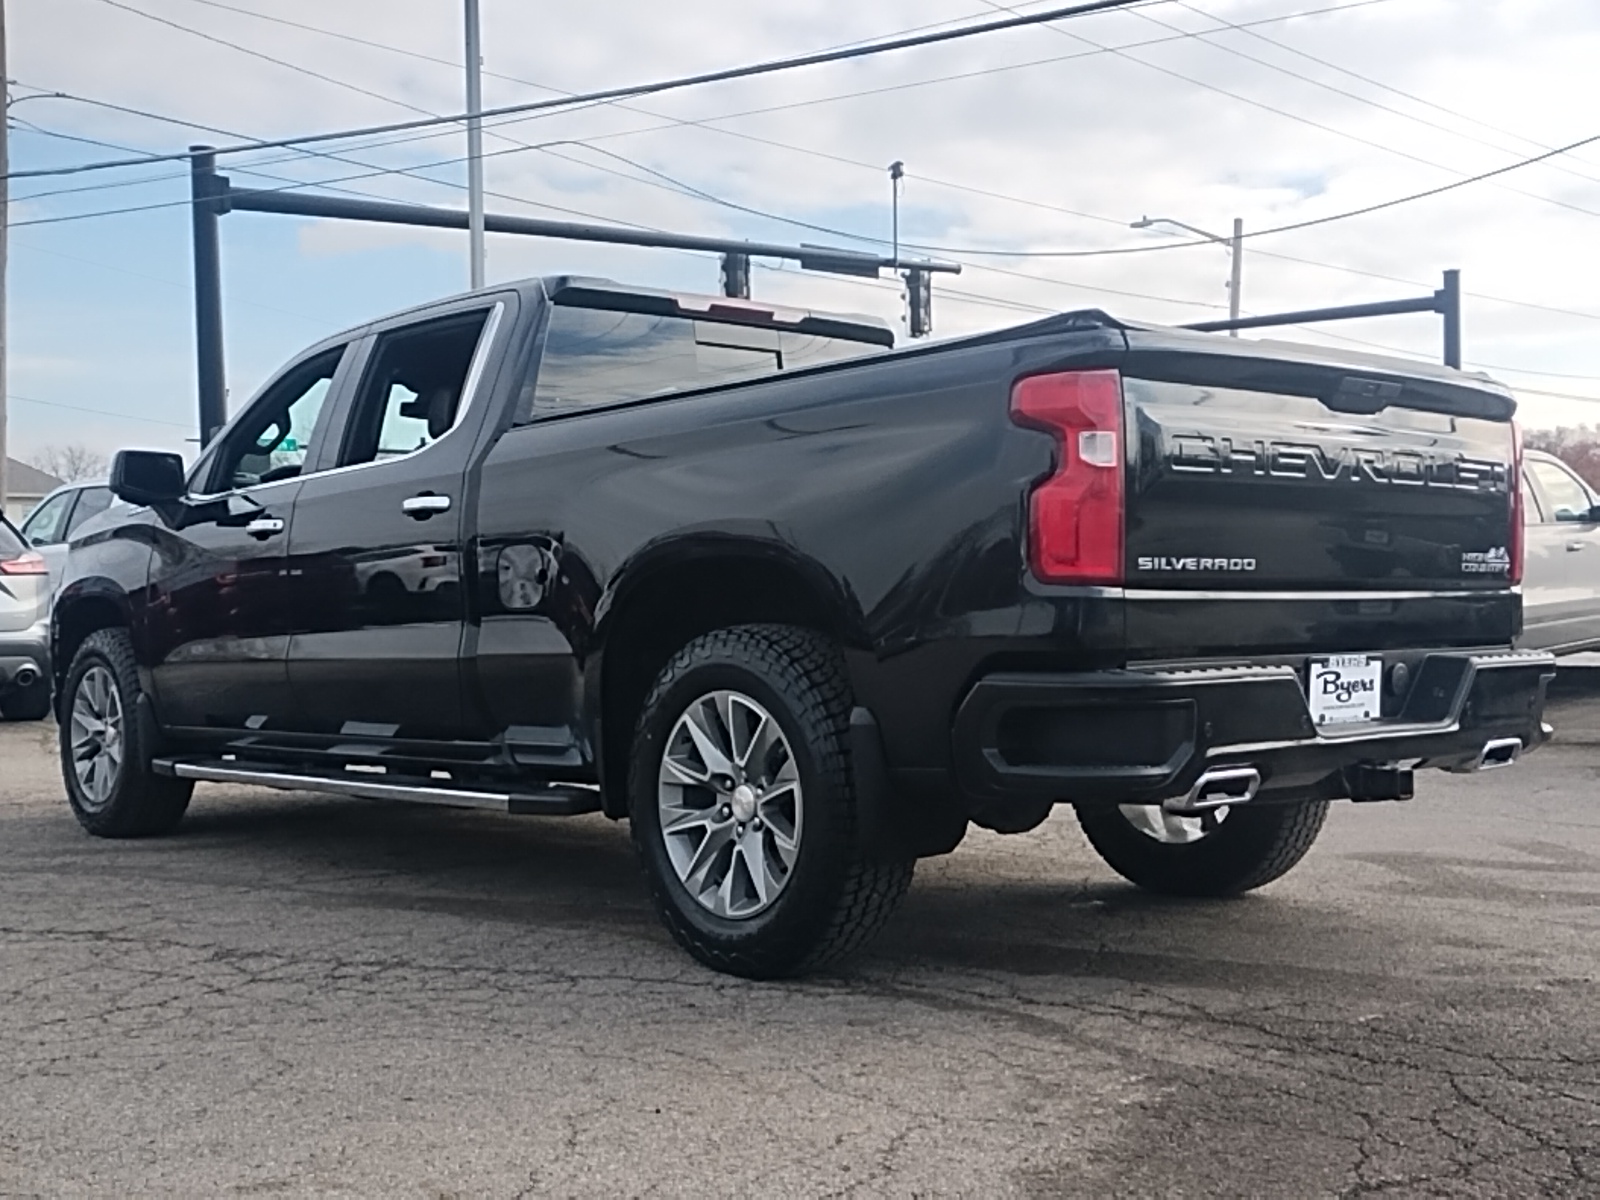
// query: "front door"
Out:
[376,549]
[219,582]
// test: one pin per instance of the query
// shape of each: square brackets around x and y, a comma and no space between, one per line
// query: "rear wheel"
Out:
[31,703]
[1222,853]
[743,810]
[105,747]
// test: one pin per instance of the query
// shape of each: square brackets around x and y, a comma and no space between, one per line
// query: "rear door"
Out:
[377,546]
[1562,591]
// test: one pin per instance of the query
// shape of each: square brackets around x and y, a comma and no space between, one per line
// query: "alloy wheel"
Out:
[96,734]
[730,803]
[1155,822]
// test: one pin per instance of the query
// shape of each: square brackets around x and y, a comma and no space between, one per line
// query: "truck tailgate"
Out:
[1309,508]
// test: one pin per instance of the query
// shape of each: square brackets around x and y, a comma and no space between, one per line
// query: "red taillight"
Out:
[30,563]
[1075,517]
[1517,538]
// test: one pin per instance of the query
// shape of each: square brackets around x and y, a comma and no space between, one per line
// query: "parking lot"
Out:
[300,994]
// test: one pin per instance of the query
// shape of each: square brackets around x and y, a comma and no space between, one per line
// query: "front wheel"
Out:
[1222,853]
[743,809]
[105,751]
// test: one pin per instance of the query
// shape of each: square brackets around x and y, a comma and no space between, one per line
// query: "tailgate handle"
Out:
[1365,396]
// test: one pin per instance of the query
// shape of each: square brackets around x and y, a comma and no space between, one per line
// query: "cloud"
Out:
[1027,140]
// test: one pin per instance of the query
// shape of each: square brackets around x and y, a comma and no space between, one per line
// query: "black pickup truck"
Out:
[801,606]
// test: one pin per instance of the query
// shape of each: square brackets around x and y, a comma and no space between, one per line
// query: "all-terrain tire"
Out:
[835,897]
[31,703]
[1251,847]
[137,803]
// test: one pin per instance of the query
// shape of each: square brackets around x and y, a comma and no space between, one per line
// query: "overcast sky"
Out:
[1040,139]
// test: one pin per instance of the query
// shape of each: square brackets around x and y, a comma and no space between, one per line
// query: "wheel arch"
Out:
[83,607]
[677,592]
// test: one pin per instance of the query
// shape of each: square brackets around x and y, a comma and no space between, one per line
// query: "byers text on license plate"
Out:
[1345,689]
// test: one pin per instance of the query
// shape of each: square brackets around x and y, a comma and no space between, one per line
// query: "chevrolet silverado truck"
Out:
[802,606]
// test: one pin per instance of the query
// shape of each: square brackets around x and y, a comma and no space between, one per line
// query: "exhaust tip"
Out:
[26,676]
[1501,752]
[1217,788]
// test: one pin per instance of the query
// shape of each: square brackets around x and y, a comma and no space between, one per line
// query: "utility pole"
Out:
[1238,270]
[5,226]
[897,172]
[1234,246]
[474,146]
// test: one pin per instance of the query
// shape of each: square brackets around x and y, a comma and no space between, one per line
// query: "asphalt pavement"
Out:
[300,995]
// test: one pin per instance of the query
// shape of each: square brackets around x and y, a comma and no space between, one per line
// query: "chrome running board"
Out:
[556,800]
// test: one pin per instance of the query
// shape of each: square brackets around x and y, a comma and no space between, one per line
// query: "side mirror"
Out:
[147,477]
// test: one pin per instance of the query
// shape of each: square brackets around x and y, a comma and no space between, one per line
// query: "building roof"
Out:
[23,480]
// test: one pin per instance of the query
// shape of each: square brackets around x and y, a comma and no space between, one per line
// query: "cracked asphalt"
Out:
[302,995]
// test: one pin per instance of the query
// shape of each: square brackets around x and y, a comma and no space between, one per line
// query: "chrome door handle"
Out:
[423,507]
[264,527]
[1575,546]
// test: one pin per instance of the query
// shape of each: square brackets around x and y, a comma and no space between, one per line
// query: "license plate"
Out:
[1345,689]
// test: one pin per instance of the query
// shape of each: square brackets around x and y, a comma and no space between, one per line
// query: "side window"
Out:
[411,395]
[91,502]
[1568,499]
[47,524]
[594,357]
[273,440]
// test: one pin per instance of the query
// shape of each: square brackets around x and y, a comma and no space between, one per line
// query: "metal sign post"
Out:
[1446,302]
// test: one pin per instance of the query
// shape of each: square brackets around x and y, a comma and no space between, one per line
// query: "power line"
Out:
[1367,79]
[701,193]
[765,67]
[1282,112]
[1206,38]
[307,71]
[1522,391]
[455,64]
[99,412]
[690,189]
[678,186]
[1258,233]
[296,185]
[220,41]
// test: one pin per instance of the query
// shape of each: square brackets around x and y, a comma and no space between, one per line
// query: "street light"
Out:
[1234,245]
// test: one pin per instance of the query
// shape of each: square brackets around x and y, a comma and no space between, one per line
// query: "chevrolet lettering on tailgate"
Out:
[1199,453]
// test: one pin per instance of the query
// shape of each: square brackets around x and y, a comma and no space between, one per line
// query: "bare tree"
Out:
[1577,446]
[70,463]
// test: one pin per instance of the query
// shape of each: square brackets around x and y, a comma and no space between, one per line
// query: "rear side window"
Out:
[91,503]
[595,357]
[413,391]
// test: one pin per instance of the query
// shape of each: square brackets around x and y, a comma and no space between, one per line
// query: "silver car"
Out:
[24,628]
[56,518]
[1561,578]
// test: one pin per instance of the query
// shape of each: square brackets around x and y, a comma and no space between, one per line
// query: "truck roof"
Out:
[1142,338]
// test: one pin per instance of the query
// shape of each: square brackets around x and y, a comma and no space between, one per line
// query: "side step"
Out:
[555,800]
